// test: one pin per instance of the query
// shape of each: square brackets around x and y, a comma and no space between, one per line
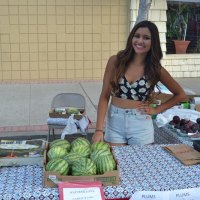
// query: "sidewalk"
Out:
[25,106]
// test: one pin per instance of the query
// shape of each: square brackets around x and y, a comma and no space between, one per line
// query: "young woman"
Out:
[130,78]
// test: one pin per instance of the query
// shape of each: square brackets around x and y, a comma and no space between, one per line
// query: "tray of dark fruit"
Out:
[185,127]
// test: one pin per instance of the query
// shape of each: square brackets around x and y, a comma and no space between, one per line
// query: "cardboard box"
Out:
[62,113]
[107,179]
[197,108]
[22,152]
[54,114]
[165,97]
[51,178]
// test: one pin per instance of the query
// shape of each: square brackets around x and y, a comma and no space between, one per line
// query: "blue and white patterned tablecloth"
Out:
[141,168]
[167,135]
[24,183]
[151,168]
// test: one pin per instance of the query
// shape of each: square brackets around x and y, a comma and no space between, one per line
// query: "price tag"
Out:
[80,191]
[149,195]
[185,194]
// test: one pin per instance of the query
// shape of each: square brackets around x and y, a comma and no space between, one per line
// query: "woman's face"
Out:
[142,40]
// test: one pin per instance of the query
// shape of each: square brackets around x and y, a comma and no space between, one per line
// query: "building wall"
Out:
[73,39]
[185,65]
[178,65]
[60,39]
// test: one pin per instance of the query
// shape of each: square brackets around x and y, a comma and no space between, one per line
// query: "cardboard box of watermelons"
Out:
[22,152]
[51,178]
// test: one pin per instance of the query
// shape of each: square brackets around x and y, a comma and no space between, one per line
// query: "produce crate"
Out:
[54,114]
[22,152]
[110,178]
[165,97]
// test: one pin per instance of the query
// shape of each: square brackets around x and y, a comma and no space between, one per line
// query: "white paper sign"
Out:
[149,195]
[92,193]
[184,194]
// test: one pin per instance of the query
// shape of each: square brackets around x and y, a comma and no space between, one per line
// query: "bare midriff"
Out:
[125,103]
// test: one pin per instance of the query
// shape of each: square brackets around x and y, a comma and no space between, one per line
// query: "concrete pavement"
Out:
[25,106]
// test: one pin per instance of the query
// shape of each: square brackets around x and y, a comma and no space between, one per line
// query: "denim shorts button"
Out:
[126,111]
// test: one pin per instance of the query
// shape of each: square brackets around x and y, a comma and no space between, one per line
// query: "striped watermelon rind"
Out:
[84,167]
[81,146]
[58,165]
[60,142]
[100,145]
[84,159]
[72,157]
[99,153]
[83,150]
[105,164]
[56,152]
[80,141]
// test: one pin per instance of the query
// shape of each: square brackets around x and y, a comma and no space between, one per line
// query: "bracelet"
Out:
[99,130]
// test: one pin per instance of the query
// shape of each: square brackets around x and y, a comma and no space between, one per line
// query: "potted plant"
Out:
[177,20]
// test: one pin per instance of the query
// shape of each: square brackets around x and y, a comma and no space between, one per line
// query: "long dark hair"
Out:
[152,61]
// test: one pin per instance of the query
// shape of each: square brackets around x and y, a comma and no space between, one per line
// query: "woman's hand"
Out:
[97,137]
[147,108]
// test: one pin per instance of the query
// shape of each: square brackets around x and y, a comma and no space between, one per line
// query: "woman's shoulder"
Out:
[111,64]
[112,60]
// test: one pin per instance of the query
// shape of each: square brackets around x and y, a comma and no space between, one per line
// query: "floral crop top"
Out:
[137,91]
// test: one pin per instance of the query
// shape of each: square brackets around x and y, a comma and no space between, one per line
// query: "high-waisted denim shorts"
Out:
[128,126]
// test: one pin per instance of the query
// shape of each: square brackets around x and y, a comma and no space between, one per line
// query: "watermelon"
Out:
[56,152]
[81,146]
[80,141]
[60,142]
[105,163]
[72,157]
[82,150]
[99,145]
[99,153]
[58,165]
[83,167]
[72,110]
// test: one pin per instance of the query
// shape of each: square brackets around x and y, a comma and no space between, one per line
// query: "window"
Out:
[183,23]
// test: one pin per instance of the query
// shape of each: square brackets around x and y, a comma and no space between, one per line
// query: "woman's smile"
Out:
[142,40]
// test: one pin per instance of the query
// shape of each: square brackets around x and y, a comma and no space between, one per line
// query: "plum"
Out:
[194,127]
[171,122]
[198,120]
[177,126]
[186,128]
[176,119]
[190,123]
[183,121]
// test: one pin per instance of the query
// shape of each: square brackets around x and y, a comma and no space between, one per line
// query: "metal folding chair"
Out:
[65,100]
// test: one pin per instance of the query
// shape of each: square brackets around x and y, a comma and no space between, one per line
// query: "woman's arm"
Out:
[173,86]
[103,100]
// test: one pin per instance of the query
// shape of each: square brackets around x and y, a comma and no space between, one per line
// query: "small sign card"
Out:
[149,195]
[183,194]
[81,191]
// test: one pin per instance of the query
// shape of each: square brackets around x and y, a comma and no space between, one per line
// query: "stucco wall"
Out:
[60,39]
[73,39]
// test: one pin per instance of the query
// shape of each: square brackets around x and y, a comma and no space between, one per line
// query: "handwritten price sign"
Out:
[185,194]
[81,191]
